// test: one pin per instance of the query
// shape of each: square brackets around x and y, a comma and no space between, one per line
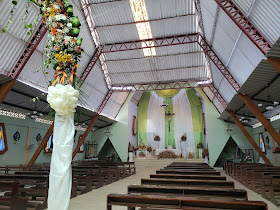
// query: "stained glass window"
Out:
[3,142]
[82,148]
[262,146]
[49,145]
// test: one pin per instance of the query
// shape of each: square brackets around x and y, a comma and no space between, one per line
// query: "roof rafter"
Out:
[243,22]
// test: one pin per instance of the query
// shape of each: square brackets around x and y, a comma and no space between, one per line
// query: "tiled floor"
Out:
[96,199]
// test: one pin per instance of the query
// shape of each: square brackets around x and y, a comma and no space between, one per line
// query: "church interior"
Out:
[139,104]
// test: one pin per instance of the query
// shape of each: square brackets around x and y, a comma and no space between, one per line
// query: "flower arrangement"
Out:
[205,153]
[157,138]
[142,147]
[149,149]
[166,154]
[130,148]
[190,155]
[142,154]
[199,145]
[63,49]
[183,138]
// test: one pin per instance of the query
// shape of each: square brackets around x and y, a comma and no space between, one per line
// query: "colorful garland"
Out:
[63,49]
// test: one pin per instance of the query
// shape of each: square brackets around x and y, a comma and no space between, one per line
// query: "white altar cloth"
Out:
[173,150]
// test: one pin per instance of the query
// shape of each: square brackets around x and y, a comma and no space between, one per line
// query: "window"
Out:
[3,141]
[49,145]
[262,145]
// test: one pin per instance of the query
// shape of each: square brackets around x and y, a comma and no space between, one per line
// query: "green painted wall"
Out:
[119,136]
[217,137]
[15,153]
[258,130]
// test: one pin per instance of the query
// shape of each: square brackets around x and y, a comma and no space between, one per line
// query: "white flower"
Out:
[63,98]
[67,38]
[69,25]
[60,17]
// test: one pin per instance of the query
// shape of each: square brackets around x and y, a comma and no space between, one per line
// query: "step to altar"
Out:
[160,163]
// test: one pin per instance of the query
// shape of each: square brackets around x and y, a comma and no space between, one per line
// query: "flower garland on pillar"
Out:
[63,51]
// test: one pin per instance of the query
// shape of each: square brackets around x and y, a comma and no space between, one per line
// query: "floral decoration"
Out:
[157,138]
[190,155]
[63,98]
[205,153]
[63,49]
[166,154]
[149,149]
[130,148]
[199,145]
[183,138]
[142,147]
[142,154]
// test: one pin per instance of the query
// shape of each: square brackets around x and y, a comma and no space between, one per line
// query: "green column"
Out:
[197,117]
[142,117]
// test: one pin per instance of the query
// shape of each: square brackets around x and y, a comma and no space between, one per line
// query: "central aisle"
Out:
[97,199]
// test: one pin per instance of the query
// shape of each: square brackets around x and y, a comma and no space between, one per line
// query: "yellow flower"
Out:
[52,14]
[66,58]
[58,56]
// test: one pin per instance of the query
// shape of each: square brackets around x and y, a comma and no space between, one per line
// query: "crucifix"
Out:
[169,118]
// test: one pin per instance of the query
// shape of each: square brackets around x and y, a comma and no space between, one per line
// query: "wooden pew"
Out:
[274,192]
[184,172]
[188,182]
[169,202]
[188,191]
[193,168]
[46,173]
[39,183]
[13,201]
[179,176]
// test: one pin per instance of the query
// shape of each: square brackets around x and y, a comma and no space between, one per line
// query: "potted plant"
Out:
[157,138]
[149,149]
[166,154]
[141,155]
[130,153]
[200,149]
[206,155]
[190,155]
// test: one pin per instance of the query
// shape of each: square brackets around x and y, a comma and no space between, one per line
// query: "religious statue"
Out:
[169,118]
[141,142]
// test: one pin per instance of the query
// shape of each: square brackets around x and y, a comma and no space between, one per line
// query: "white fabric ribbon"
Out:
[63,99]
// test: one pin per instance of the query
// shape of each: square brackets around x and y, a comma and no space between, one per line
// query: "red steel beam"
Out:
[105,100]
[218,63]
[150,43]
[245,24]
[90,65]
[161,86]
[217,94]
[29,50]
[169,41]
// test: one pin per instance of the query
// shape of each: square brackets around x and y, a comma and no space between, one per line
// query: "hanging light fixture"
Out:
[107,132]
[270,104]
[229,130]
[35,114]
[243,118]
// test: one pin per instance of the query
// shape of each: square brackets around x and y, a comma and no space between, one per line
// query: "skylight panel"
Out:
[139,11]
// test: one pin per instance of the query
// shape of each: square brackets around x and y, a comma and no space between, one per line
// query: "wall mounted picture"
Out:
[262,144]
[3,140]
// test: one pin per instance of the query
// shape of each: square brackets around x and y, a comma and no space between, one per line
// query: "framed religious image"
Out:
[82,147]
[3,140]
[134,126]
[262,144]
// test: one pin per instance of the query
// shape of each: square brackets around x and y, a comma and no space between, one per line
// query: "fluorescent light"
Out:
[276,117]
[139,11]
[257,125]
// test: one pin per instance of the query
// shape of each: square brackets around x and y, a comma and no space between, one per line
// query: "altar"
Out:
[162,150]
